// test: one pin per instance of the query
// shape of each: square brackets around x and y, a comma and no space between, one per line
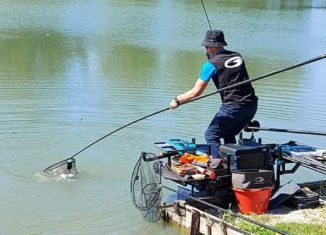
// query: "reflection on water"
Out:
[71,72]
[43,177]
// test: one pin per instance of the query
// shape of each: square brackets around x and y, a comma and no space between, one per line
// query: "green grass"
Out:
[293,228]
[304,229]
[290,228]
[314,222]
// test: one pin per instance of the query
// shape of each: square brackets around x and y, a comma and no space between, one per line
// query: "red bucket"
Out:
[253,201]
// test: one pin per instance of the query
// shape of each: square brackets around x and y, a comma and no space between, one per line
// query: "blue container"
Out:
[183,145]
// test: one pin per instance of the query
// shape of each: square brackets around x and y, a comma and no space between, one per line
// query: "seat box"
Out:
[246,157]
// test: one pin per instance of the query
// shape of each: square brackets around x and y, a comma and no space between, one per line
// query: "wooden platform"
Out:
[197,221]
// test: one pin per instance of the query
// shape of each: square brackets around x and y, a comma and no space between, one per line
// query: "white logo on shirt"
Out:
[233,62]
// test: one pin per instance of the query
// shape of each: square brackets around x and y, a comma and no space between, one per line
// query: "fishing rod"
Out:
[209,23]
[198,98]
[304,132]
[320,57]
[254,126]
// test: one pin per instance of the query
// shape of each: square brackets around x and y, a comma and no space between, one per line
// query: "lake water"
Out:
[73,71]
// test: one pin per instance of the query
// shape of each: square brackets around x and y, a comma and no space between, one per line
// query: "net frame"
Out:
[145,187]
[54,169]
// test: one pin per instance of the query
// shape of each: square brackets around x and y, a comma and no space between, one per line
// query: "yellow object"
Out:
[189,158]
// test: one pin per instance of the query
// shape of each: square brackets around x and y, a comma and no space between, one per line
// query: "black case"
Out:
[303,199]
[246,157]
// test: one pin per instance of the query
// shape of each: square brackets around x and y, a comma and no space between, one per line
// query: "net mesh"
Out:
[65,167]
[145,187]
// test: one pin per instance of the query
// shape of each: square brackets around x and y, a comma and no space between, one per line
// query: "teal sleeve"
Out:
[207,71]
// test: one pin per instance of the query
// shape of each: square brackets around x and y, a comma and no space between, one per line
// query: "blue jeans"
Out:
[226,124]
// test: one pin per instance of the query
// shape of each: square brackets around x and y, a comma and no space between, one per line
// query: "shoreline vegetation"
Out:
[299,222]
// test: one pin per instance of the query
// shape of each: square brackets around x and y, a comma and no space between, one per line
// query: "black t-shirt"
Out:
[231,69]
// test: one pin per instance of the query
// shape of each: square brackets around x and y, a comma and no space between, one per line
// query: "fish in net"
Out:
[66,167]
[145,187]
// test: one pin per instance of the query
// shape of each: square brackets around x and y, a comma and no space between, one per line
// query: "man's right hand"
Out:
[173,104]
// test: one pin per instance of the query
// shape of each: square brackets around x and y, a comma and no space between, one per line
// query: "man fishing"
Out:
[239,104]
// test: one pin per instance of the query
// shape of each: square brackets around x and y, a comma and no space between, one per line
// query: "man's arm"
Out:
[196,91]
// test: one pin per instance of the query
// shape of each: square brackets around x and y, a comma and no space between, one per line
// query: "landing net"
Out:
[65,167]
[145,187]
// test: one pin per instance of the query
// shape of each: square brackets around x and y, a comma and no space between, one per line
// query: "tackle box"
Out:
[245,156]
[303,199]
